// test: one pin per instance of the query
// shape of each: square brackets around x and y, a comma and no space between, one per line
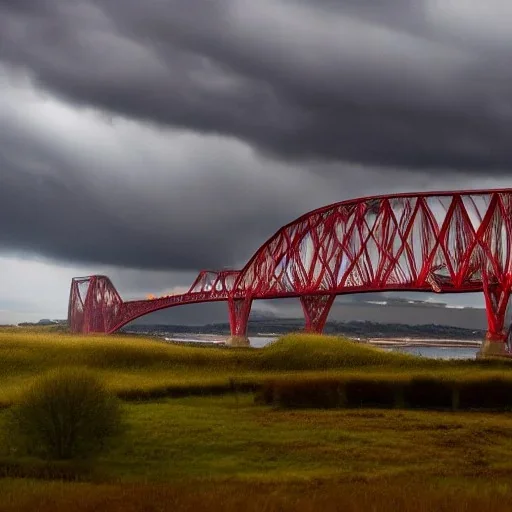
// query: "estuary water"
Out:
[432,349]
[439,352]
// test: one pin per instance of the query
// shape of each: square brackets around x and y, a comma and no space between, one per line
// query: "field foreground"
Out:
[227,452]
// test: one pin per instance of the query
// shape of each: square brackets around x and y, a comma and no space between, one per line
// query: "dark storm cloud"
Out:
[334,82]
[129,197]
[66,215]
[375,83]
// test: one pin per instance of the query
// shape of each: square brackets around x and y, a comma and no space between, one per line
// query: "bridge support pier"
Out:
[496,303]
[239,311]
[316,310]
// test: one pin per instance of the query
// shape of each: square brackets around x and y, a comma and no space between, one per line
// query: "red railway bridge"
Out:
[443,242]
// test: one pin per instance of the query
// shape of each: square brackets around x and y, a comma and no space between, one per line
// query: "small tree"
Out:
[66,413]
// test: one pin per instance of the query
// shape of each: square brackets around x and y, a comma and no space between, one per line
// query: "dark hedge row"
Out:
[420,393]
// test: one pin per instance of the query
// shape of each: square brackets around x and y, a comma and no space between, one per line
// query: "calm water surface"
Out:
[439,352]
[261,341]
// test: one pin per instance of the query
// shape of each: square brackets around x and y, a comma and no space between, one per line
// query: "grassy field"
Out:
[228,453]
[137,367]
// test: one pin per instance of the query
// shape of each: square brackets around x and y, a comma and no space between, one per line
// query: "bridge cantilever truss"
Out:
[446,242]
[95,304]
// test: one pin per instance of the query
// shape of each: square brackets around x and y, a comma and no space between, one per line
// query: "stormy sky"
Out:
[148,140]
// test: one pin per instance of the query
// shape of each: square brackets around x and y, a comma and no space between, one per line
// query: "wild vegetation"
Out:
[64,414]
[419,392]
[141,368]
[227,452]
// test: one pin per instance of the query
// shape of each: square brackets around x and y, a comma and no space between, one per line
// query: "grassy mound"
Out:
[319,352]
[28,352]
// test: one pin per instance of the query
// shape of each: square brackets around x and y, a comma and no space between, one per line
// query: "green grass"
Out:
[205,437]
[228,453]
[212,437]
[225,450]
[138,368]
[227,496]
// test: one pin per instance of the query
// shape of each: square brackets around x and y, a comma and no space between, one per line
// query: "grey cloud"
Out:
[58,216]
[377,84]
[305,103]
[75,189]
[139,199]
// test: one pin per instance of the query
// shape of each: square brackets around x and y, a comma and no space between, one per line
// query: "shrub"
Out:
[372,393]
[420,392]
[65,414]
[417,393]
[491,393]
[425,393]
[318,393]
[265,394]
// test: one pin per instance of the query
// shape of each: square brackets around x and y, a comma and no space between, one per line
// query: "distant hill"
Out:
[363,329]
[44,321]
[379,310]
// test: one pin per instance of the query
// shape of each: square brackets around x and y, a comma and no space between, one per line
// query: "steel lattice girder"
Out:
[438,241]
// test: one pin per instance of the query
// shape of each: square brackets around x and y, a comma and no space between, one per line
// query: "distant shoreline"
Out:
[219,339]
[423,342]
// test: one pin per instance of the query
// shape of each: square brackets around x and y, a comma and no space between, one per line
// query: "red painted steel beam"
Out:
[447,242]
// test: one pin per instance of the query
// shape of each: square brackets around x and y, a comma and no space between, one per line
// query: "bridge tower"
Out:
[94,305]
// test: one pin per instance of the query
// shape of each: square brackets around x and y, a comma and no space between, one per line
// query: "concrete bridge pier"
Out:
[239,311]
[496,303]
[494,345]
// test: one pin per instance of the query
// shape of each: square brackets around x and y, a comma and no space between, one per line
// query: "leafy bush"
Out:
[372,393]
[492,393]
[328,393]
[322,393]
[418,392]
[65,414]
[424,393]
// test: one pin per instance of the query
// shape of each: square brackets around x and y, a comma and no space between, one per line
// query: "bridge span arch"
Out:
[443,242]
